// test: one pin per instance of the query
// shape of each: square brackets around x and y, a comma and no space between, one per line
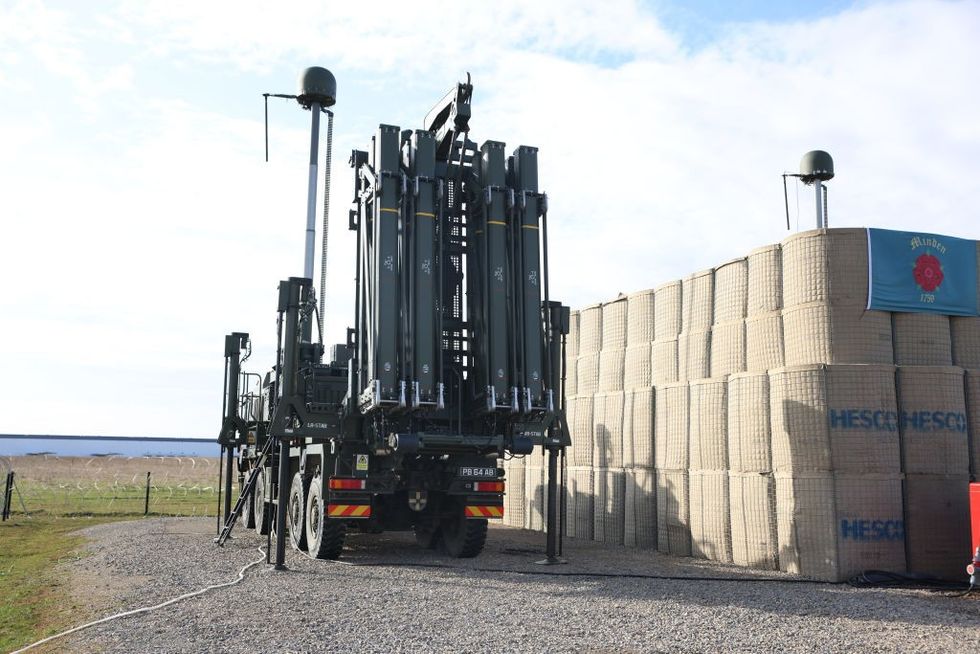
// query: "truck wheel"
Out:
[324,537]
[463,538]
[260,508]
[248,515]
[296,515]
[427,531]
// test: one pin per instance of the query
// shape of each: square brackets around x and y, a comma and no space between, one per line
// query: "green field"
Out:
[34,598]
[65,494]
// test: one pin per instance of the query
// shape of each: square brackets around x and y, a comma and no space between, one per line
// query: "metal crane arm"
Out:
[450,116]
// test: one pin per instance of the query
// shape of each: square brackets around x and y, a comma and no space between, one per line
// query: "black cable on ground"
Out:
[884,579]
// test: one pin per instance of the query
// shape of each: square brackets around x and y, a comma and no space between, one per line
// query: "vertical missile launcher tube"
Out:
[489,307]
[384,267]
[523,172]
[426,377]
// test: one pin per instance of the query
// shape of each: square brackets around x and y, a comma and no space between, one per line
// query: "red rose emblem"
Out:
[928,272]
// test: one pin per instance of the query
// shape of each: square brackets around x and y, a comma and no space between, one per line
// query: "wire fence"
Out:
[112,485]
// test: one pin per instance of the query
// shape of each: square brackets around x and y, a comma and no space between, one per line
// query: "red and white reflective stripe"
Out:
[337,483]
[488,486]
[349,510]
[484,512]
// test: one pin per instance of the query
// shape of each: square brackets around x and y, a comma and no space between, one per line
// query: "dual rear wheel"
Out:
[447,528]
[324,537]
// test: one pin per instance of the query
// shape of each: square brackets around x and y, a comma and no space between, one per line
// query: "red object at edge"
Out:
[975,514]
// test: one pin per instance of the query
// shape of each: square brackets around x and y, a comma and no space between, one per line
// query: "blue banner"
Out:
[926,273]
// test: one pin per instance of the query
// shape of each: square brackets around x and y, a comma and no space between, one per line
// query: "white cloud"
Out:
[141,230]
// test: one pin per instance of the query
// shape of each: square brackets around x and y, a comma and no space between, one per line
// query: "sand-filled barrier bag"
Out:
[834,418]
[697,301]
[667,311]
[965,341]
[614,324]
[610,497]
[571,377]
[612,369]
[711,525]
[933,422]
[827,266]
[937,524]
[640,523]
[749,437]
[571,339]
[581,426]
[672,421]
[827,333]
[731,291]
[608,411]
[694,355]
[579,503]
[638,426]
[638,366]
[664,361]
[708,426]
[640,317]
[587,374]
[832,527]
[727,349]
[514,499]
[753,514]
[764,342]
[973,420]
[765,280]
[590,330]
[673,512]
[535,496]
[921,339]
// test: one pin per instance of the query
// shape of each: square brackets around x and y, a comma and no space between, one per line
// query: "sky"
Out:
[140,222]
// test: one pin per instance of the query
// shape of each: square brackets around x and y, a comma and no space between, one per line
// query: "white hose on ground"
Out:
[146,609]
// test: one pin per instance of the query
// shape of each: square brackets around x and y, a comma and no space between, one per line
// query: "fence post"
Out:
[8,494]
[146,504]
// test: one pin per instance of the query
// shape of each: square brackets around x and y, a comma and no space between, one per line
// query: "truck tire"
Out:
[463,538]
[248,515]
[427,532]
[296,513]
[324,537]
[260,508]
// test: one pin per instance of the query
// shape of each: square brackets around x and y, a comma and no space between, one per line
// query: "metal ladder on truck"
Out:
[246,493]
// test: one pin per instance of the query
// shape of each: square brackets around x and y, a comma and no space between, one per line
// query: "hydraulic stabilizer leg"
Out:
[232,427]
[291,295]
[557,435]
[229,467]
[283,504]
[552,525]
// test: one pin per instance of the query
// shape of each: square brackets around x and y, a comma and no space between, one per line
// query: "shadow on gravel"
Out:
[511,554]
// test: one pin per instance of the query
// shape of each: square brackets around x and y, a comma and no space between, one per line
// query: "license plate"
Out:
[478,472]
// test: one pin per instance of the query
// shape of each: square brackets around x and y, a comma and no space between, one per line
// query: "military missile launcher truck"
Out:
[454,361]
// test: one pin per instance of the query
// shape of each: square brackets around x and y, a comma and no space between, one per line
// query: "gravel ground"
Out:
[325,606]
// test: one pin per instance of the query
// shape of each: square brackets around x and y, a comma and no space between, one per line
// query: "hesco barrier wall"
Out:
[757,413]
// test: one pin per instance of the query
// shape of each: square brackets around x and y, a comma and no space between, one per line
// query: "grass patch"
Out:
[34,597]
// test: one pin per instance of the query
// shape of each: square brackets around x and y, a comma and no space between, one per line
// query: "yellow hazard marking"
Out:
[425,213]
[495,511]
[338,509]
[389,209]
[361,510]
[529,226]
[496,222]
